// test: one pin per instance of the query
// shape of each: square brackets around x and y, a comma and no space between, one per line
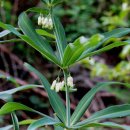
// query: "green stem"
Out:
[67,99]
[11,40]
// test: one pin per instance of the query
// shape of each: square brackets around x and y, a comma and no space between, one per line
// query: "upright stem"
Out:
[67,99]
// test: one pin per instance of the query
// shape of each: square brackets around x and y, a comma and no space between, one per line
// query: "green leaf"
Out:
[6,127]
[24,122]
[45,33]
[54,98]
[4,33]
[46,1]
[15,121]
[39,49]
[55,2]
[116,33]
[10,28]
[42,122]
[110,112]
[9,78]
[35,40]
[106,124]
[58,128]
[106,48]
[74,50]
[14,106]
[6,95]
[11,40]
[86,100]
[37,10]
[60,35]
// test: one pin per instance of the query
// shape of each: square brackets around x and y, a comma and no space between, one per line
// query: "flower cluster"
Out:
[60,86]
[45,22]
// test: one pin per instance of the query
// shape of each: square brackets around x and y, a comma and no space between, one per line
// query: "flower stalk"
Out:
[67,99]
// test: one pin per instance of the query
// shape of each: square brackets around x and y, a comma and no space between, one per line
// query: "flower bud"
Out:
[58,85]
[53,85]
[70,81]
[39,20]
[62,85]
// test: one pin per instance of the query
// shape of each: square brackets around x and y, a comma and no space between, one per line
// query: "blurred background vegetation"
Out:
[80,18]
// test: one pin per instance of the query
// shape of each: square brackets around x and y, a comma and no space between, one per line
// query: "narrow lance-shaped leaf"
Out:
[14,106]
[45,33]
[105,124]
[86,100]
[55,2]
[24,122]
[106,48]
[54,98]
[6,95]
[60,35]
[108,113]
[37,10]
[42,122]
[15,121]
[4,33]
[10,28]
[116,33]
[74,50]
[36,41]
[11,40]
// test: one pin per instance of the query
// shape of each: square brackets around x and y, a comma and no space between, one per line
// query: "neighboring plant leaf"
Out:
[15,121]
[86,100]
[105,124]
[14,106]
[54,98]
[60,35]
[42,122]
[108,113]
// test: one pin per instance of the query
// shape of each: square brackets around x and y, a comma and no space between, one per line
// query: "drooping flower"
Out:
[53,85]
[40,20]
[70,82]
[58,86]
[62,85]
[46,22]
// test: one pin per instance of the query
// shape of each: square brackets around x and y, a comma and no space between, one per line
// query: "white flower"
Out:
[53,85]
[50,24]
[58,86]
[62,85]
[39,20]
[124,6]
[45,22]
[70,81]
